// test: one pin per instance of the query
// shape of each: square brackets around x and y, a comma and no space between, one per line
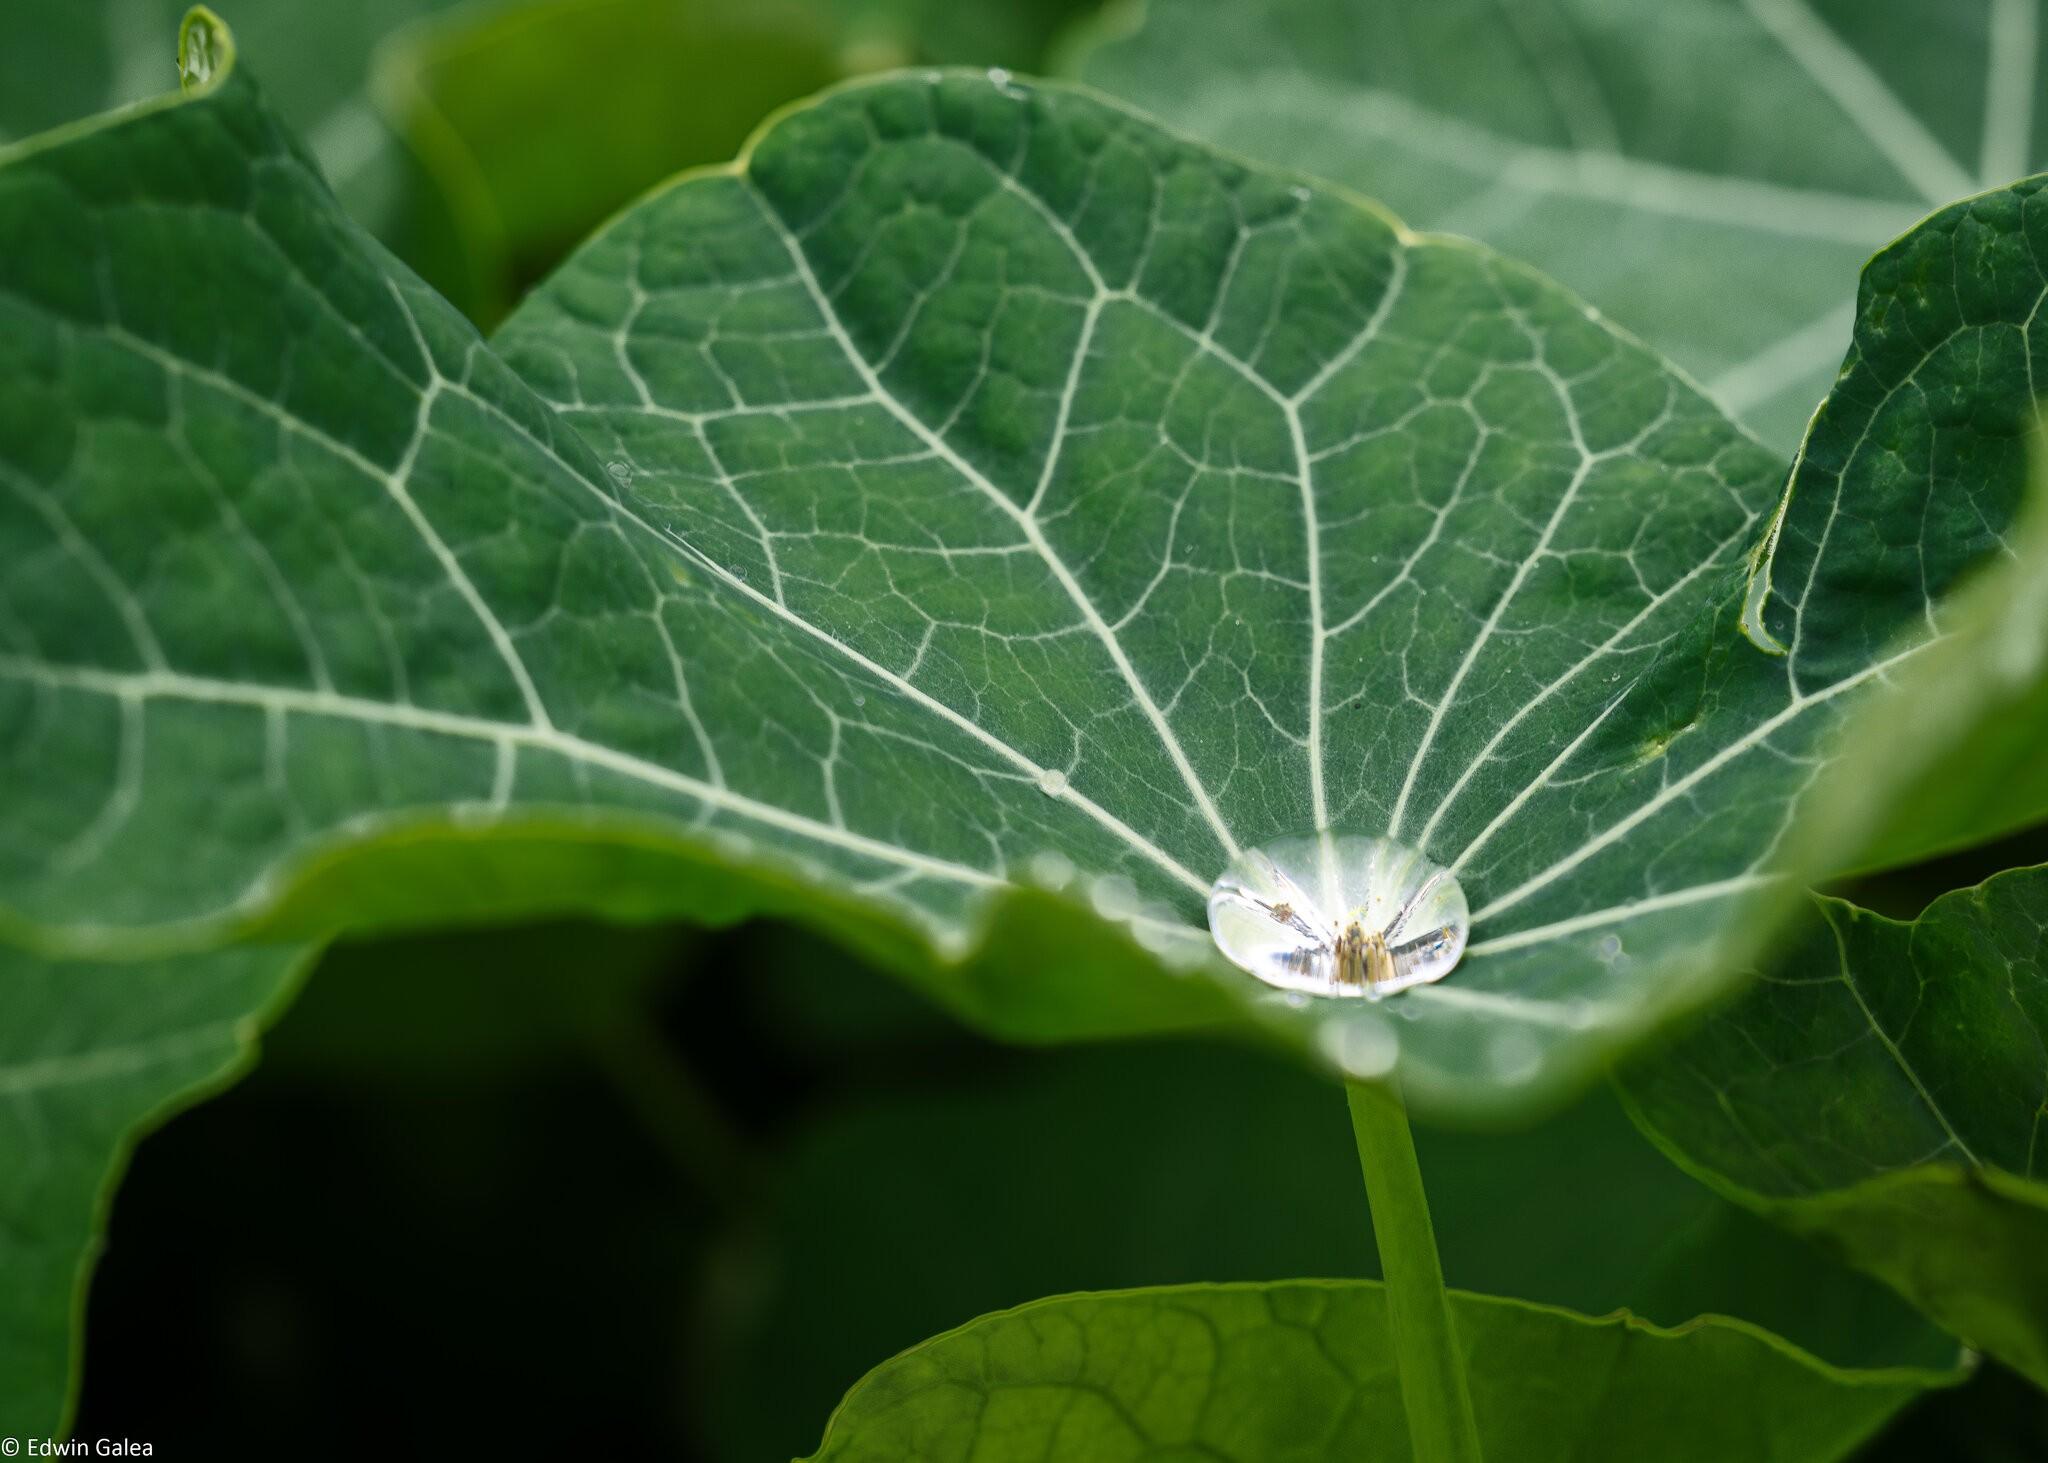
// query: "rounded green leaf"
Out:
[1304,1370]
[976,489]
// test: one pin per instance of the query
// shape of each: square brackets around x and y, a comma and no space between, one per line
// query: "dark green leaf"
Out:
[1709,173]
[1881,1088]
[1304,1370]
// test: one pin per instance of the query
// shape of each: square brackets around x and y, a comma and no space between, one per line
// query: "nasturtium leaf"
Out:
[975,487]
[1708,172]
[1881,1088]
[92,1055]
[537,121]
[1305,1370]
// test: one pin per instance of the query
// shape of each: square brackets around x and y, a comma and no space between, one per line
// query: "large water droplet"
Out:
[1339,914]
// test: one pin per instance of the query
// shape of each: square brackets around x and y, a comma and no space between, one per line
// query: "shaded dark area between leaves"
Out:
[1903,893]
[471,1169]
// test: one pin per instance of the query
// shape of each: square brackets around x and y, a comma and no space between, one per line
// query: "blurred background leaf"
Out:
[66,59]
[483,140]
[1662,158]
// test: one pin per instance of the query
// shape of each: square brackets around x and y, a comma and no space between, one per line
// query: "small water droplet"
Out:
[1052,869]
[1339,914]
[621,473]
[1299,192]
[1610,946]
[859,700]
[999,76]
[1296,999]
[1367,1050]
[1114,897]
[1052,782]
[1515,1056]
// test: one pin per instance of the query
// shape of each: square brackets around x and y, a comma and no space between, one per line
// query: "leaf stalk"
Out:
[1434,1393]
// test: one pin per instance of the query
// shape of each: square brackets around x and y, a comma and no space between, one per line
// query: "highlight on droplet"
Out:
[1339,914]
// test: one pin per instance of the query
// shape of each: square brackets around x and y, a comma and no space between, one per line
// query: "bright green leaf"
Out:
[979,487]
[91,1056]
[1881,1088]
[1304,1370]
[1609,143]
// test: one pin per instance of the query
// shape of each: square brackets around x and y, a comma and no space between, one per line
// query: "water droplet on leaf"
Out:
[1052,782]
[621,473]
[1299,192]
[1114,897]
[1339,914]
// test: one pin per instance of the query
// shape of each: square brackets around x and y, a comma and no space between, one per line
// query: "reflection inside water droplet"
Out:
[1339,914]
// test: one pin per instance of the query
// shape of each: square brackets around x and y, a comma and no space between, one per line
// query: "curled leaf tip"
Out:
[205,48]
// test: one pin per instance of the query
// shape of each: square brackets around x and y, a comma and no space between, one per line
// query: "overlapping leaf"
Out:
[1711,173]
[1305,1370]
[1882,1087]
[977,487]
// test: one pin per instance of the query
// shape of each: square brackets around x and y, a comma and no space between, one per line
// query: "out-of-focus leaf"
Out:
[1018,34]
[1710,173]
[91,1056]
[535,122]
[1881,1088]
[1302,1371]
[66,59]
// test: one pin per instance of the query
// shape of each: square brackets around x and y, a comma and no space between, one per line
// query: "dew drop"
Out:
[859,700]
[1300,193]
[1339,914]
[999,76]
[1052,869]
[1052,782]
[620,472]
[1114,897]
